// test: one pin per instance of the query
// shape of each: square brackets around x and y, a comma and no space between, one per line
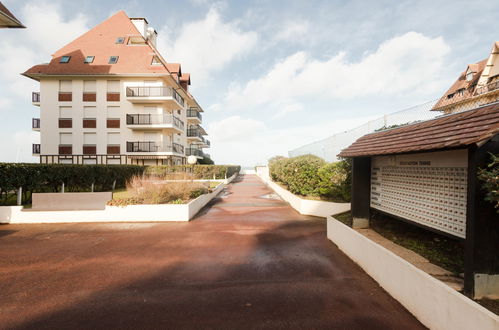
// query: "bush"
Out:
[149,190]
[490,178]
[49,178]
[199,171]
[310,175]
[79,178]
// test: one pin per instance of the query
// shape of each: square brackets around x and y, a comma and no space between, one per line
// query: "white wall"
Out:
[49,115]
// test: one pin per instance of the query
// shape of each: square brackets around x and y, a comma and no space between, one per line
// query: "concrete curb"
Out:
[130,213]
[432,302]
[303,206]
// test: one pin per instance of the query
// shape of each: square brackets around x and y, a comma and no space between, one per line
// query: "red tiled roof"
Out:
[457,130]
[101,43]
[462,83]
[174,68]
[186,77]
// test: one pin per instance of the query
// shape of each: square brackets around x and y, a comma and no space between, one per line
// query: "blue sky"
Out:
[270,75]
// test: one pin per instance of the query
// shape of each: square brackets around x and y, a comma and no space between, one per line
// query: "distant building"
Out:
[7,19]
[477,85]
[109,97]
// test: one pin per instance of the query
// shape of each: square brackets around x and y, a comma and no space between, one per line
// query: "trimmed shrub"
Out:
[199,171]
[78,178]
[310,175]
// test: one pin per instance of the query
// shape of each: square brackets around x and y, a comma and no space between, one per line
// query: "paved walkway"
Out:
[245,262]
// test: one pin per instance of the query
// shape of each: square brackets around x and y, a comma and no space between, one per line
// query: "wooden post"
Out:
[481,260]
[361,191]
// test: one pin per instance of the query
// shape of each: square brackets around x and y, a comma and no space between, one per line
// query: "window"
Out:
[89,86]
[155,61]
[120,40]
[469,76]
[113,59]
[65,59]
[89,59]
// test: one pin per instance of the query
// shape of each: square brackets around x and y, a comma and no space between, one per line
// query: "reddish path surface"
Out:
[245,262]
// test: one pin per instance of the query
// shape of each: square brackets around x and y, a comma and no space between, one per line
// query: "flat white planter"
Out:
[432,302]
[303,206]
[131,213]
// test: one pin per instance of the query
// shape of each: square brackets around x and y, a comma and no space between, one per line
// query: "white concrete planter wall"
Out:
[432,302]
[303,206]
[132,213]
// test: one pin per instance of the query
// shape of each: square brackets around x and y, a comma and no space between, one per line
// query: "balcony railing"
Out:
[36,148]
[193,152]
[35,123]
[194,132]
[154,91]
[154,119]
[35,97]
[193,113]
[488,88]
[152,146]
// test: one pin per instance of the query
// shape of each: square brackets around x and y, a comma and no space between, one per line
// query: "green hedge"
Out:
[490,180]
[310,175]
[200,171]
[49,177]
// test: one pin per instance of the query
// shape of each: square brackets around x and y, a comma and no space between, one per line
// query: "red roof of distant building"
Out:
[8,19]
[452,131]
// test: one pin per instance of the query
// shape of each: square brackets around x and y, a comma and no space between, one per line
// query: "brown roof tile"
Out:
[457,130]
[12,21]
[100,42]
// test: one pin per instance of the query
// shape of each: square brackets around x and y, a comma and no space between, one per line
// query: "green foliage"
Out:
[206,161]
[49,178]
[310,175]
[199,171]
[490,178]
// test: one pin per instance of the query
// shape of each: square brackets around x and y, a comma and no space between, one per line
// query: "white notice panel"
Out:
[427,188]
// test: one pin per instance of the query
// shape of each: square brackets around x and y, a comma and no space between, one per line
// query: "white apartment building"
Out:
[109,97]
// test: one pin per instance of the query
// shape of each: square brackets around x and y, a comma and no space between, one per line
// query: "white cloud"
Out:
[47,30]
[246,141]
[295,31]
[411,62]
[207,45]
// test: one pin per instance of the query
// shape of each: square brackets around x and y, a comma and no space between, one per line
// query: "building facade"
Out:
[476,86]
[109,97]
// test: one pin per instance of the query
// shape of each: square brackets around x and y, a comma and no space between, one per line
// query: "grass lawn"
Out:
[440,250]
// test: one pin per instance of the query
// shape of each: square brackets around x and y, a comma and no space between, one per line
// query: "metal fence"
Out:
[331,146]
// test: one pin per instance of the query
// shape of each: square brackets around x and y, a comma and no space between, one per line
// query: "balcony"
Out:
[206,143]
[154,121]
[35,124]
[194,115]
[194,152]
[155,94]
[36,148]
[35,98]
[194,134]
[154,147]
